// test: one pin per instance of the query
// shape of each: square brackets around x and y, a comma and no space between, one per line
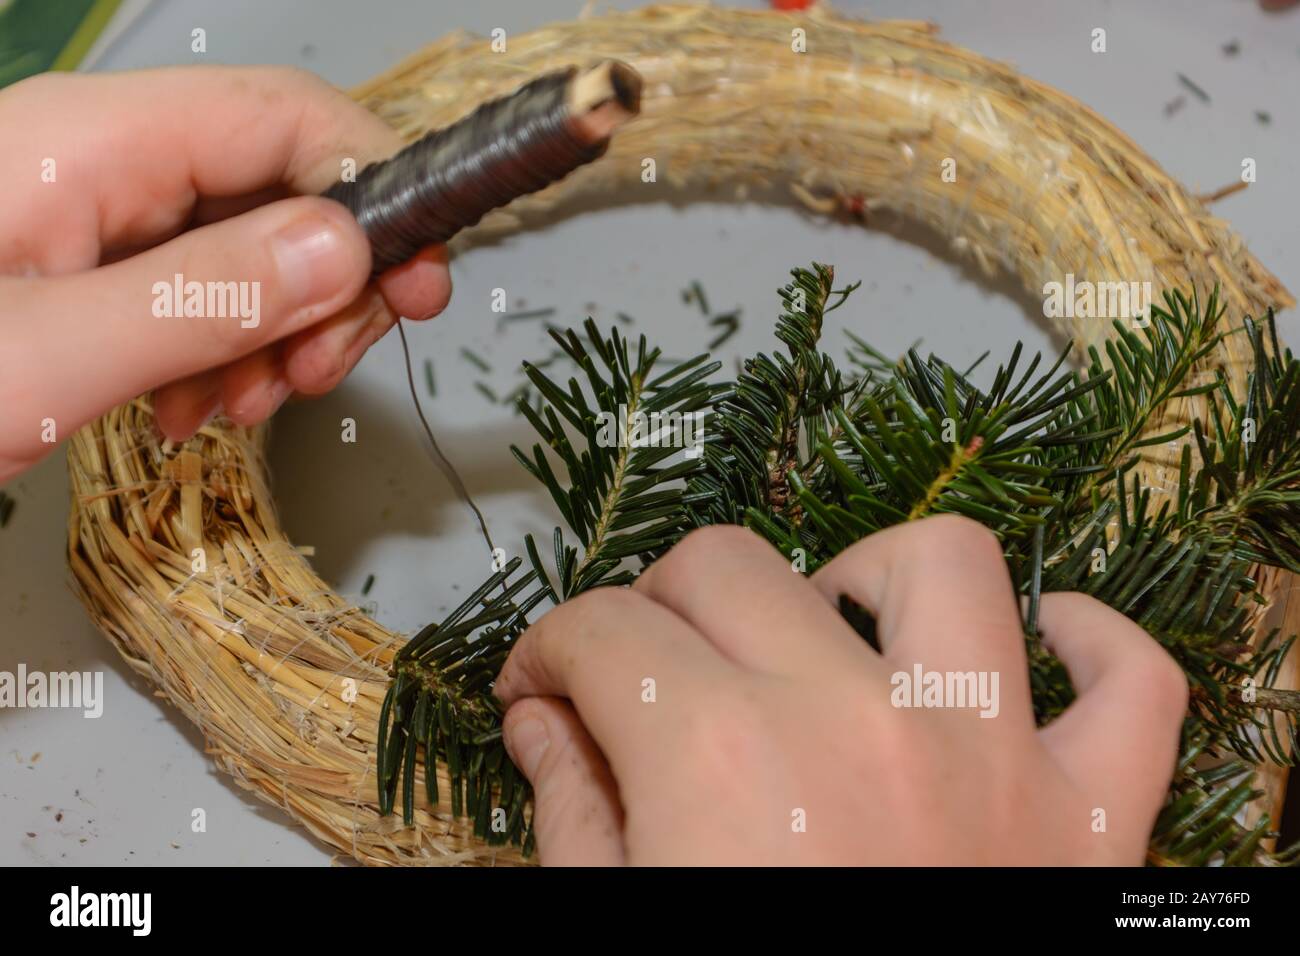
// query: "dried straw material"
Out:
[257,650]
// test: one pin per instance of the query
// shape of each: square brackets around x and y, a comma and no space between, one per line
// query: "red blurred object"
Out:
[792,4]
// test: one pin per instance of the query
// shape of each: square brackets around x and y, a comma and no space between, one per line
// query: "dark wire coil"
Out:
[453,177]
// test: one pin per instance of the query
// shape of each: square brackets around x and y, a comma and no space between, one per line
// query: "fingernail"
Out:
[201,422]
[313,261]
[526,741]
[280,391]
[216,409]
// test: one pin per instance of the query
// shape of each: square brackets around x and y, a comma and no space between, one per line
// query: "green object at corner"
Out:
[36,35]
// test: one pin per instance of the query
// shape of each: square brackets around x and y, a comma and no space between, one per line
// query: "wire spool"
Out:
[450,178]
[258,652]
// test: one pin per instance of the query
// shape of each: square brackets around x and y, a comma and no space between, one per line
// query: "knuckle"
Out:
[286,75]
[593,610]
[703,544]
[318,372]
[1064,606]
[724,740]
[945,535]
[899,732]
[694,554]
[1164,680]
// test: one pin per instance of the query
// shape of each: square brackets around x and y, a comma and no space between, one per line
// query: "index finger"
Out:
[132,152]
[630,666]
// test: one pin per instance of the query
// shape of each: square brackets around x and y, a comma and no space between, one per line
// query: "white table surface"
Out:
[121,789]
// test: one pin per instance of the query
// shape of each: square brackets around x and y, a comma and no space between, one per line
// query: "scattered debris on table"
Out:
[1192,88]
[730,322]
[475,359]
[523,316]
[530,314]
[523,392]
[696,293]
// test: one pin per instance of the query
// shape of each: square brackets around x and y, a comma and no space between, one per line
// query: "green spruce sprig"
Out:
[814,458]
[618,496]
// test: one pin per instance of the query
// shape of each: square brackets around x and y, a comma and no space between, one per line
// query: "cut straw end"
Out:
[602,99]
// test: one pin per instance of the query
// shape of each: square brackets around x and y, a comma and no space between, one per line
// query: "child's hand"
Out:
[769,735]
[187,164]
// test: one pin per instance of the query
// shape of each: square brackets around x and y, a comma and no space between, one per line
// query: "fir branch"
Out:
[1262,698]
[800,328]
[815,459]
[1143,374]
[961,457]
[619,500]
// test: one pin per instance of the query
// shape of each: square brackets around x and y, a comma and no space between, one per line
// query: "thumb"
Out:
[91,340]
[577,818]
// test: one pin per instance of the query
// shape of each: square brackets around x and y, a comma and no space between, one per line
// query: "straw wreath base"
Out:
[283,676]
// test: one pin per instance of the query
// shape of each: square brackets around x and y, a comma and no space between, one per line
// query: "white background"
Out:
[125,784]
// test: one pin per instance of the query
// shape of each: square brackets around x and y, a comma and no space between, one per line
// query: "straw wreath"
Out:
[284,677]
